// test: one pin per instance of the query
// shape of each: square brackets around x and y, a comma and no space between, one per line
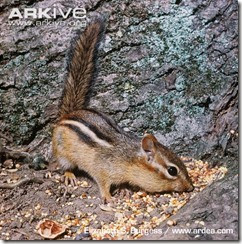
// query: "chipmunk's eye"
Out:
[172,171]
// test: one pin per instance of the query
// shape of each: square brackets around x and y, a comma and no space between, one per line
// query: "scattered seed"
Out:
[140,211]
[171,222]
[202,223]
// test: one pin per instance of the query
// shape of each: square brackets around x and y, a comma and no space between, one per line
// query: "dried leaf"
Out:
[50,229]
[106,207]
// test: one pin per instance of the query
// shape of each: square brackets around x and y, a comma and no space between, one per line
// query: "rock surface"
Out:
[169,67]
[212,215]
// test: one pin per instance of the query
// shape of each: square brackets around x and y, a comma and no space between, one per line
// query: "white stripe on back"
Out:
[85,130]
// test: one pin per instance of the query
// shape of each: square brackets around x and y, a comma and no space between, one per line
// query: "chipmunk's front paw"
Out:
[123,193]
[108,200]
[69,178]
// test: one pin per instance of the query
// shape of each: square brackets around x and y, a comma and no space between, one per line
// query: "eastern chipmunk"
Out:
[90,140]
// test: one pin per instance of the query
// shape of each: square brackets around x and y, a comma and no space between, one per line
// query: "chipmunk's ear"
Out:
[148,145]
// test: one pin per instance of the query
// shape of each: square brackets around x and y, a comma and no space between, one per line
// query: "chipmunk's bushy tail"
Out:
[81,68]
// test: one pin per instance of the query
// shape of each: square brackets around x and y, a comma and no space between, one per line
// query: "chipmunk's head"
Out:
[168,173]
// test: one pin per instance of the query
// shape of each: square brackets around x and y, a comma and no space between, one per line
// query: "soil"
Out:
[24,206]
[45,196]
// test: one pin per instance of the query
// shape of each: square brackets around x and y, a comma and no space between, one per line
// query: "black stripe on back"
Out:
[112,123]
[109,121]
[93,128]
[86,139]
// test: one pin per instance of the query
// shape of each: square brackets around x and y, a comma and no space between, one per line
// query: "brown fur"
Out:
[81,69]
[91,141]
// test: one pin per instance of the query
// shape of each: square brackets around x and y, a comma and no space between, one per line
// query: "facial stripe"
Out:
[168,163]
[160,168]
[92,128]
[163,168]
[83,137]
[89,135]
